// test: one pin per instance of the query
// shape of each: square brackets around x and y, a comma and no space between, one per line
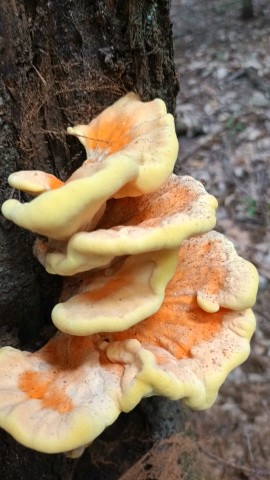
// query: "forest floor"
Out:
[223,123]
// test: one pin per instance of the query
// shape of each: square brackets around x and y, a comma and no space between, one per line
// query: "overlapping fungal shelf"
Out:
[155,302]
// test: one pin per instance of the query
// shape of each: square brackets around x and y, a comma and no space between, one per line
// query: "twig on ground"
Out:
[255,472]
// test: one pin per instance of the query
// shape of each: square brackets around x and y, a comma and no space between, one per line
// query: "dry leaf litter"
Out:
[223,123]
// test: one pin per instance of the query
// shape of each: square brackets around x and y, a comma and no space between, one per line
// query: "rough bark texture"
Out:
[61,63]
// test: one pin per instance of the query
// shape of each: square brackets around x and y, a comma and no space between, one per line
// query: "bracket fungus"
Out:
[154,302]
[118,297]
[130,226]
[125,145]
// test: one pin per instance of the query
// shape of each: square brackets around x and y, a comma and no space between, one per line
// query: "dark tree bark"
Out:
[62,62]
[247,10]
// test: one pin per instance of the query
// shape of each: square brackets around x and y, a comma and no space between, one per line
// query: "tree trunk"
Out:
[62,62]
[247,10]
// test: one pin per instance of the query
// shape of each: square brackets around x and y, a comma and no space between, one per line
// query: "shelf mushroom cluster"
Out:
[154,302]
